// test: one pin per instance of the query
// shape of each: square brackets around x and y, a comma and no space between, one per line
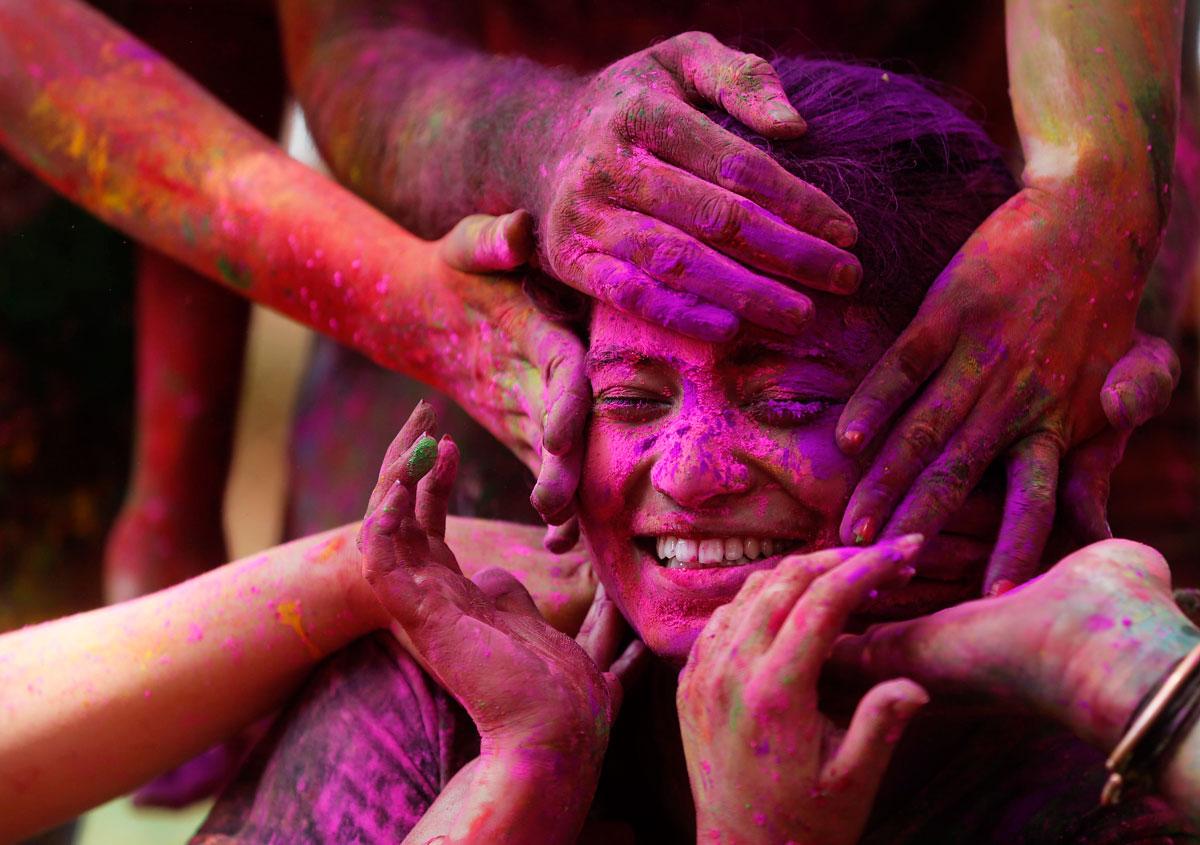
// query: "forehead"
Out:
[843,334]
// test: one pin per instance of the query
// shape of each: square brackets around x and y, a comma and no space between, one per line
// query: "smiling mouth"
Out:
[674,552]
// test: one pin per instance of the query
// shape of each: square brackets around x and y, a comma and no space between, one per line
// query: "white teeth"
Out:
[684,552]
[712,551]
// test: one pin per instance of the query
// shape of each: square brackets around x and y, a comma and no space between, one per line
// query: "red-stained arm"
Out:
[113,126]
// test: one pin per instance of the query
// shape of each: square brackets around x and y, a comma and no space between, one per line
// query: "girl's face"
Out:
[706,462]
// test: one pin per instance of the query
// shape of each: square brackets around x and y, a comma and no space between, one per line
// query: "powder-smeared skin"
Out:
[1021,330]
[627,180]
[1082,645]
[423,456]
[170,525]
[111,125]
[540,753]
[156,672]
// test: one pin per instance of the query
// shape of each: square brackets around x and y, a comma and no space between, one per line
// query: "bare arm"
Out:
[114,127]
[638,196]
[95,704]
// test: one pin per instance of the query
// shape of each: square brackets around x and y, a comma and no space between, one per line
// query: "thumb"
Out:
[482,243]
[879,722]
[1140,384]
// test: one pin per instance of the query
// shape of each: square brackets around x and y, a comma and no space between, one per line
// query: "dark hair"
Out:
[917,174]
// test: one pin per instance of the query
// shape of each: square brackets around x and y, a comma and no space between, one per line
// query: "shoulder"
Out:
[359,755]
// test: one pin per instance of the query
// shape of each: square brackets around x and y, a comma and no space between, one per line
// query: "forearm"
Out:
[510,799]
[422,126]
[191,337]
[1095,88]
[116,128]
[97,703]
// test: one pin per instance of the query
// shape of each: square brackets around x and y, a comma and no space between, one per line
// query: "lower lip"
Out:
[713,582]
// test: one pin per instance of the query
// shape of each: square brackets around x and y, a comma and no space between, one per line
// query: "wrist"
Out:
[1120,669]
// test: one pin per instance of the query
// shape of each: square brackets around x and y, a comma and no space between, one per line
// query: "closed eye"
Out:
[624,405]
[787,412]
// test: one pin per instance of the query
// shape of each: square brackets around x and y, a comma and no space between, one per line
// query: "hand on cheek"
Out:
[764,763]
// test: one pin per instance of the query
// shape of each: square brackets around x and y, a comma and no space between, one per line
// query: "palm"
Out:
[521,681]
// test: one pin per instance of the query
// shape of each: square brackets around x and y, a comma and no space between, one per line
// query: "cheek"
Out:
[809,466]
[613,458]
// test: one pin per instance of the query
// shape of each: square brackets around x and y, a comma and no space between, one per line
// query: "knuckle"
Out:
[718,219]
[735,167]
[920,438]
[670,259]
[748,71]
[910,362]
[640,118]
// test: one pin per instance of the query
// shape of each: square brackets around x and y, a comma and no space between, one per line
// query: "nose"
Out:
[699,463]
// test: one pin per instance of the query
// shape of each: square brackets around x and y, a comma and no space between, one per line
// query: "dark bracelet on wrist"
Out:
[1159,723]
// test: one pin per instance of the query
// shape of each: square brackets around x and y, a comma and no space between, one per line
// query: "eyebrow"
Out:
[742,355]
[609,356]
[763,350]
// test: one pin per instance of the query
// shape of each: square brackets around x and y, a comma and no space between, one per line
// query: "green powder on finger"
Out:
[423,456]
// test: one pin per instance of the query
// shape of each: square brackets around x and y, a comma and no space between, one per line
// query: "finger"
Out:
[944,485]
[567,394]
[482,243]
[912,359]
[1140,384]
[407,469]
[816,619]
[506,592]
[602,630]
[1085,484]
[386,567]
[875,729]
[743,84]
[1028,513]
[738,228]
[912,444]
[761,611]
[422,420]
[433,491]
[682,136]
[626,672]
[628,668]
[681,263]
[715,640]
[560,539]
[628,289]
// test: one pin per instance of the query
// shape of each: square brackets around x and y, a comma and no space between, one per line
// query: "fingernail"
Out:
[1000,587]
[845,277]
[852,441]
[909,543]
[422,456]
[786,116]
[864,531]
[841,233]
